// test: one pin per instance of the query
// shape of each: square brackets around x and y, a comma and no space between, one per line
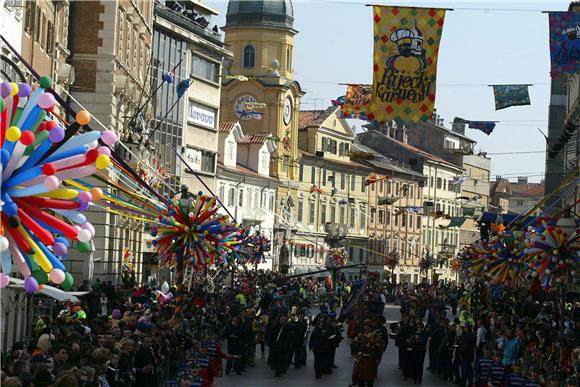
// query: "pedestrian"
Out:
[497,370]
[366,349]
[418,343]
[259,325]
[320,345]
[466,352]
[278,344]
[234,338]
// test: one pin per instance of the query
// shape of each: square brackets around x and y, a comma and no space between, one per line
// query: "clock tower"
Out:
[258,86]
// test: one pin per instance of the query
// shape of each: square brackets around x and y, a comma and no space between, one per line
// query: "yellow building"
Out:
[259,90]
[332,198]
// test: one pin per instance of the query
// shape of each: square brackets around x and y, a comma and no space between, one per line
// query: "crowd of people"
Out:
[480,335]
[489,336]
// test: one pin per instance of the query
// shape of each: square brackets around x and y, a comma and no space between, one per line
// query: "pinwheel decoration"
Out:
[41,213]
[551,252]
[194,230]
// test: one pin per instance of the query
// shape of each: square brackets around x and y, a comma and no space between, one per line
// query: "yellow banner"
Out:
[405,63]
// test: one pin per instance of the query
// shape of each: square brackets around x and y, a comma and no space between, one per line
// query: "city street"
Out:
[388,375]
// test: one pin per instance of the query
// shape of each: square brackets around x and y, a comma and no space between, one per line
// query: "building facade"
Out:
[440,240]
[525,196]
[331,205]
[259,90]
[185,44]
[395,217]
[110,51]
[244,184]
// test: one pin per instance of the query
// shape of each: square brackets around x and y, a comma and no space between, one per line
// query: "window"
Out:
[204,68]
[121,37]
[36,26]
[301,173]
[431,181]
[311,212]
[350,253]
[444,184]
[388,217]
[323,213]
[373,187]
[313,175]
[288,59]
[382,186]
[341,149]
[363,186]
[300,210]
[29,17]
[396,217]
[222,192]
[418,221]
[241,197]
[520,202]
[404,220]
[200,160]
[230,150]
[352,182]
[388,246]
[342,212]
[249,57]
[397,190]
[231,193]
[342,180]
[439,182]
[265,161]
[323,176]
[332,214]
[362,220]
[352,217]
[49,37]
[381,214]
[373,212]
[410,191]
[271,203]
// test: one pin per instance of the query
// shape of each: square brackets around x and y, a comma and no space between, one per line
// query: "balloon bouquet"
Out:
[41,213]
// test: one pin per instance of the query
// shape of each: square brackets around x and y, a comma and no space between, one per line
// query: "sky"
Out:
[483,43]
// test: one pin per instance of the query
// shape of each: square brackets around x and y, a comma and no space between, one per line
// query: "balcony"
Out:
[253,215]
[188,24]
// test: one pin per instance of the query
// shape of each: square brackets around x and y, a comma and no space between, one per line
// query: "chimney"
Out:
[522,180]
[458,126]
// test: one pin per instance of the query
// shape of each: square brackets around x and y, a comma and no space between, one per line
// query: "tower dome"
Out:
[260,13]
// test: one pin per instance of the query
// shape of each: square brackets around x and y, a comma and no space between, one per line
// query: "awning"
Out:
[455,222]
[493,217]
[310,269]
[49,291]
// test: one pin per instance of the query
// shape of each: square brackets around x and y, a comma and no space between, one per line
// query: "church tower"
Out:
[258,86]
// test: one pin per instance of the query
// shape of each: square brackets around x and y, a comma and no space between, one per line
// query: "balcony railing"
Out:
[188,24]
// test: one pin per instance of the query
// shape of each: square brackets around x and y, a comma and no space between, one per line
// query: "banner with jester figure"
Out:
[405,63]
[356,101]
[564,42]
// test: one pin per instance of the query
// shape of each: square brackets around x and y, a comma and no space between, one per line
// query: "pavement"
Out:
[388,372]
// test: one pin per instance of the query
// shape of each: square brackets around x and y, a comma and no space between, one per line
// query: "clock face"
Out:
[240,105]
[287,110]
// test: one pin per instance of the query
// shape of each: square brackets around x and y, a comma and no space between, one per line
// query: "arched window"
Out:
[249,56]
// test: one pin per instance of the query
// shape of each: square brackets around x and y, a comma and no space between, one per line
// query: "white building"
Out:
[244,184]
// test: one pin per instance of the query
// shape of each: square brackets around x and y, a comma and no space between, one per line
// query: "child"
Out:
[497,370]
[515,379]
[482,370]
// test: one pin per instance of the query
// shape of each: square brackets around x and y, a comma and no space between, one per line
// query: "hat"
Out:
[116,314]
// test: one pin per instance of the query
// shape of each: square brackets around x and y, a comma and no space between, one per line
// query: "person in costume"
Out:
[366,349]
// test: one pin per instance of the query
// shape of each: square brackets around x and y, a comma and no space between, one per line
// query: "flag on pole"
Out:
[564,42]
[182,87]
[406,45]
[510,95]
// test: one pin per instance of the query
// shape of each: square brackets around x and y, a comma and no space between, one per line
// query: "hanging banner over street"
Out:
[564,42]
[510,95]
[356,101]
[405,63]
